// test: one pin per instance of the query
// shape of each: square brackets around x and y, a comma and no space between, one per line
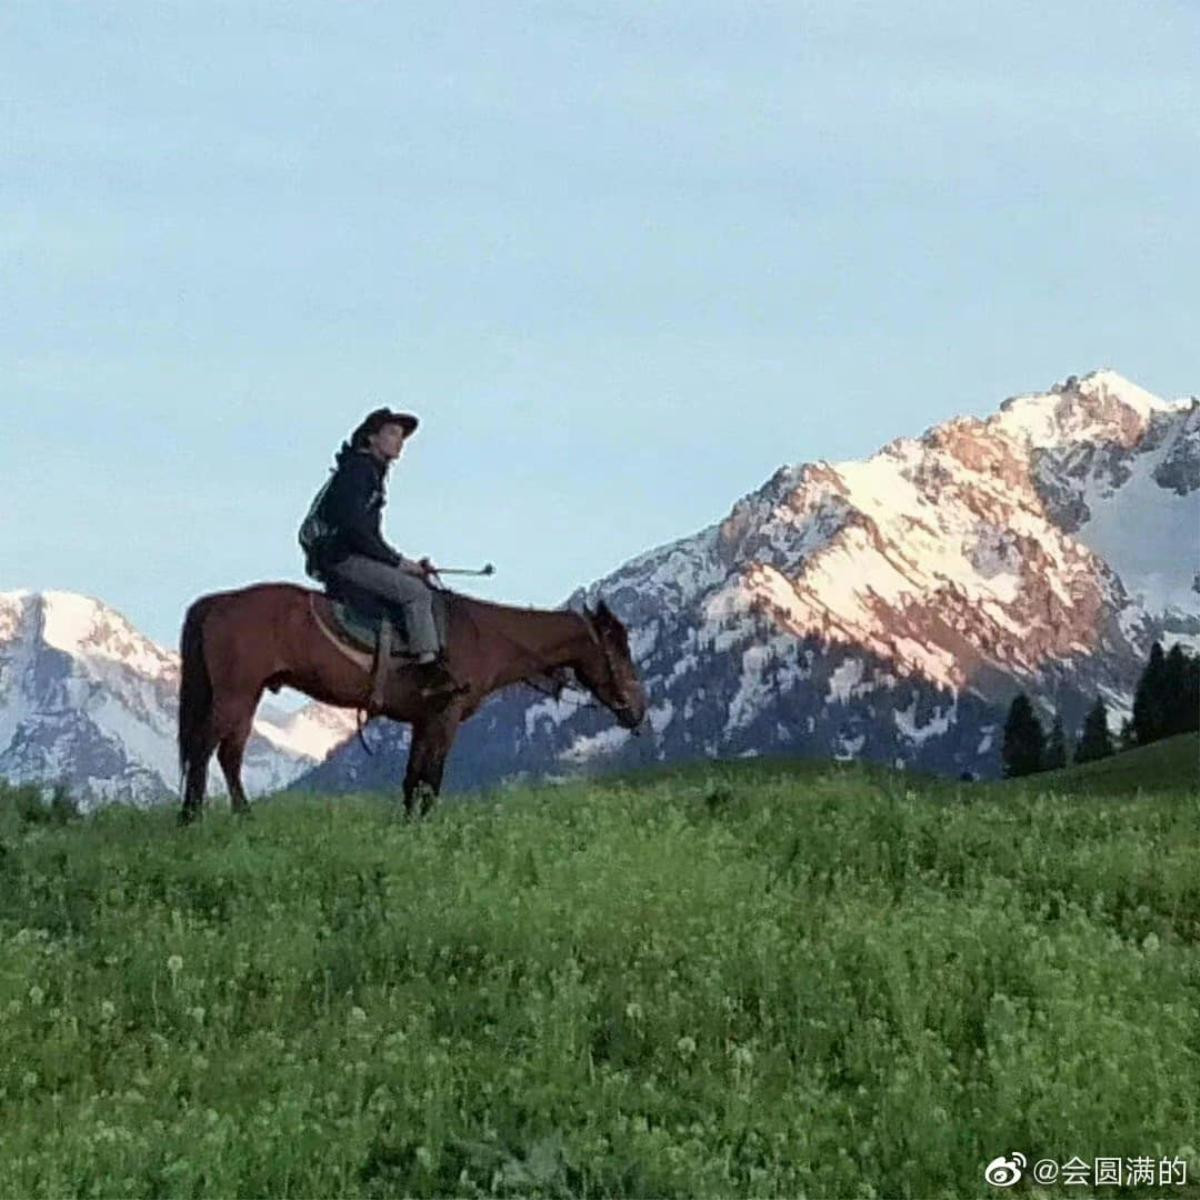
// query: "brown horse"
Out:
[235,644]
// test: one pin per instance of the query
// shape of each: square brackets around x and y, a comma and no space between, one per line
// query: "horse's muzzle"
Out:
[630,719]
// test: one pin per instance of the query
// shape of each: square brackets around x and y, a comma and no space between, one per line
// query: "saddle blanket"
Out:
[361,629]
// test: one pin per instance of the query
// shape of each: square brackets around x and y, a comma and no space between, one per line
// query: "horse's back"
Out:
[259,596]
[254,609]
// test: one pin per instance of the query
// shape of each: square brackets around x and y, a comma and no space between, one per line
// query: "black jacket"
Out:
[352,508]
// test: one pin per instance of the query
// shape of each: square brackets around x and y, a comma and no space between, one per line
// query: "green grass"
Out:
[747,980]
[1167,766]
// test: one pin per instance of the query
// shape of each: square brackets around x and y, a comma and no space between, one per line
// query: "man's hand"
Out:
[427,567]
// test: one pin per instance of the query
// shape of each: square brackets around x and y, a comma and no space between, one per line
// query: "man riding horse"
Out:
[343,543]
[235,645]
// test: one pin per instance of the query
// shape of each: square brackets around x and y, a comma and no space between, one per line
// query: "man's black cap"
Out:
[375,421]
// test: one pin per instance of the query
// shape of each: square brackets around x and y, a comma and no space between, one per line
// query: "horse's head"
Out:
[606,669]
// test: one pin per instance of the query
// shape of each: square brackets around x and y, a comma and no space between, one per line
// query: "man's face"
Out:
[387,442]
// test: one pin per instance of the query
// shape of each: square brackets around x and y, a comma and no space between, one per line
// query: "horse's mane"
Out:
[492,608]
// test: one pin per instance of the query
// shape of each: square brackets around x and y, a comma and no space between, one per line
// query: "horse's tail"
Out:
[195,686]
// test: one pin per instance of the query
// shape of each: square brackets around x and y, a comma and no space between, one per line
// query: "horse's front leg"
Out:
[418,765]
[431,741]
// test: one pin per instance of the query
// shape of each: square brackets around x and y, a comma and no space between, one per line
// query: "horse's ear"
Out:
[609,619]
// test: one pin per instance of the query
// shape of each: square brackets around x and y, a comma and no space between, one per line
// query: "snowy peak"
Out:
[1102,406]
[970,549]
[88,700]
[89,630]
[310,732]
[1108,383]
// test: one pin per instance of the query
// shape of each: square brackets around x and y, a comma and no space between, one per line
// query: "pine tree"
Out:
[1024,741]
[1126,739]
[1056,747]
[1150,702]
[1095,741]
[1181,691]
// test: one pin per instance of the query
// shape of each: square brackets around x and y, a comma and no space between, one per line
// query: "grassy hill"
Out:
[1170,765]
[745,979]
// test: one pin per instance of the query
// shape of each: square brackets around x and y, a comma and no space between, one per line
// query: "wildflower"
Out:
[175,964]
[743,1056]
[357,1015]
[108,1010]
[686,1046]
[36,996]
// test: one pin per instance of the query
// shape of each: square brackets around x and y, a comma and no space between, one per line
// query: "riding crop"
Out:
[486,569]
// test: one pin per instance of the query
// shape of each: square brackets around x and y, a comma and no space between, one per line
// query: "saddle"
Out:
[370,631]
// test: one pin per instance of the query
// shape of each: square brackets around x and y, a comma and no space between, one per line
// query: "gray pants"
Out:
[400,587]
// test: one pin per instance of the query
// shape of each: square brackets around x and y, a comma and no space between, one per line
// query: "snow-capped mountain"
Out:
[87,700]
[889,609]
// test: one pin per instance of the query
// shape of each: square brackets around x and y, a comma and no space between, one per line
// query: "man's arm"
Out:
[346,509]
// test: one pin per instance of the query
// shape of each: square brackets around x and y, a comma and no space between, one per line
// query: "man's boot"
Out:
[436,682]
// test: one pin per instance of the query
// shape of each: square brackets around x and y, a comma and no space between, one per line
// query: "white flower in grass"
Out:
[36,996]
[686,1046]
[175,964]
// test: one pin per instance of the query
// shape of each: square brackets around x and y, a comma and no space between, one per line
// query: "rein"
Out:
[557,696]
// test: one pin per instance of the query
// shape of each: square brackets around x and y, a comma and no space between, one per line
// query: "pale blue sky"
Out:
[623,259]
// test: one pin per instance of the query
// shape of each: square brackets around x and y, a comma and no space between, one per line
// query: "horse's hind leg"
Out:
[235,732]
[195,782]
